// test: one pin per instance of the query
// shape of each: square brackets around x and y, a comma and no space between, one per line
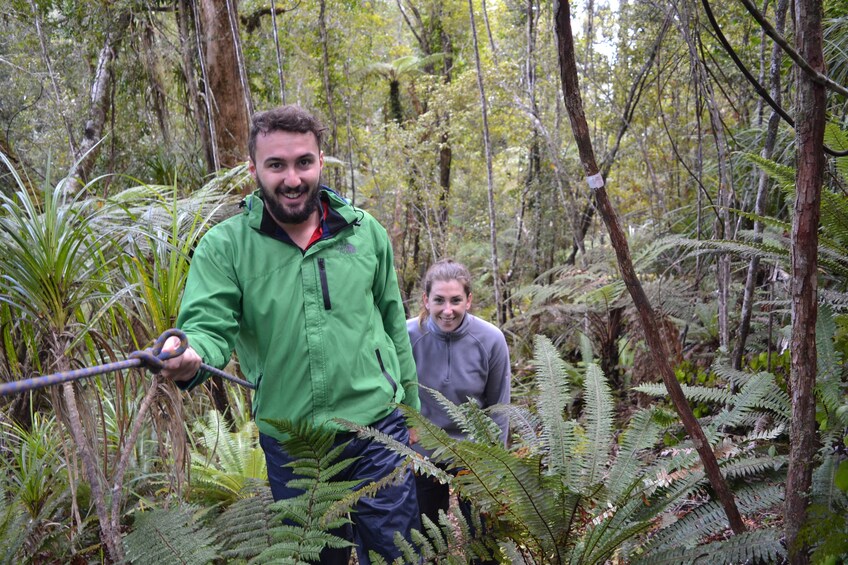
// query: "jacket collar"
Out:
[456,334]
[341,213]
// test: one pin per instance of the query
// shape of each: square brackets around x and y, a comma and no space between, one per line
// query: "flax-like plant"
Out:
[54,272]
[33,491]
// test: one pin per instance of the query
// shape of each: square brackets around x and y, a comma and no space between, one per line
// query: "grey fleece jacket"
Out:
[469,362]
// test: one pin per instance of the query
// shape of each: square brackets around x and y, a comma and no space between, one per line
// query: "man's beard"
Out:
[287,216]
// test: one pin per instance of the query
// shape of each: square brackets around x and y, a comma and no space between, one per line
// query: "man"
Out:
[302,285]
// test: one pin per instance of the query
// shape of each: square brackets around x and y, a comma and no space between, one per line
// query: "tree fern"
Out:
[302,527]
[243,527]
[170,536]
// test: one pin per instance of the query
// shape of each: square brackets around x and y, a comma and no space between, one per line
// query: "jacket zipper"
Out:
[386,374]
[325,289]
[448,375]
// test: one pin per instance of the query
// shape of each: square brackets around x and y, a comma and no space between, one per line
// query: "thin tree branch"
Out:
[754,82]
[574,104]
[816,76]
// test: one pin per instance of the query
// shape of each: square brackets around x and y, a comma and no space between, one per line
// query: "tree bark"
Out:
[224,89]
[187,26]
[496,277]
[762,184]
[633,96]
[809,142]
[574,104]
[88,149]
[154,76]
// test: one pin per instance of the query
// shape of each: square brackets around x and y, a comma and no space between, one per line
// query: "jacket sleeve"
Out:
[498,384]
[387,297]
[210,308]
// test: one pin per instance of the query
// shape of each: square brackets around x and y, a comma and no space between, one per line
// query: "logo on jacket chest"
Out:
[345,248]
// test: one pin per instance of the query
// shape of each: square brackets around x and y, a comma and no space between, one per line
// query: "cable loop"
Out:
[153,358]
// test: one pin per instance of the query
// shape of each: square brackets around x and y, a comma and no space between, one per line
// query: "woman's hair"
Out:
[444,270]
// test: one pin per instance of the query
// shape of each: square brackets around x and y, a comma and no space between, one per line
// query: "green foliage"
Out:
[244,526]
[170,536]
[755,547]
[52,262]
[223,463]
[33,490]
[826,528]
[308,518]
[578,496]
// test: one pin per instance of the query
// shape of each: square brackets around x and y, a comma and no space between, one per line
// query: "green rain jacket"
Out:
[321,332]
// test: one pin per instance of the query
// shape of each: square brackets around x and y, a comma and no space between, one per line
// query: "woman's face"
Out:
[447,304]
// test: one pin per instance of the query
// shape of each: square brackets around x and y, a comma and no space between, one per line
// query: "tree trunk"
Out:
[633,96]
[809,142]
[574,104]
[88,149]
[225,89]
[187,25]
[690,27]
[762,184]
[154,76]
[496,277]
[329,87]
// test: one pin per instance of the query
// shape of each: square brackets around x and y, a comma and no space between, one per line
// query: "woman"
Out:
[459,355]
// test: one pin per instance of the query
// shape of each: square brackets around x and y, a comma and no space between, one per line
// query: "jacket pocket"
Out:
[325,288]
[386,373]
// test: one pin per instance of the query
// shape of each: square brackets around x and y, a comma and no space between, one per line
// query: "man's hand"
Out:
[413,436]
[182,368]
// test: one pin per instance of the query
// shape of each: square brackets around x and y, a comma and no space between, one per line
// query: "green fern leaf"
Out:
[598,413]
[692,393]
[758,546]
[641,434]
[170,536]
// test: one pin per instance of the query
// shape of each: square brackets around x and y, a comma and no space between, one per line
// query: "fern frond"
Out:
[430,436]
[243,527]
[758,546]
[468,417]
[525,425]
[783,174]
[710,518]
[641,434]
[558,434]
[13,529]
[752,466]
[722,369]
[604,537]
[823,489]
[693,393]
[170,536]
[760,392]
[598,413]
[767,434]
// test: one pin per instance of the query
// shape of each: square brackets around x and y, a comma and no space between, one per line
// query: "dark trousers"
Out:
[434,496]
[375,520]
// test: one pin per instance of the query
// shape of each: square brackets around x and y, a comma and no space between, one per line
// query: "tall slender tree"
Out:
[810,107]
